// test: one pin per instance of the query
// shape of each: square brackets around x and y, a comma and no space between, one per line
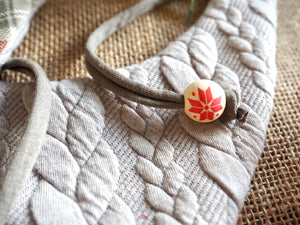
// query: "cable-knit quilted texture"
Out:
[107,160]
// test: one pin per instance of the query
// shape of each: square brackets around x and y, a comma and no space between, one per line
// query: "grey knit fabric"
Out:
[107,160]
[17,161]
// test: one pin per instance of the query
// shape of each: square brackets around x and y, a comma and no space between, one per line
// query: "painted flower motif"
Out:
[207,106]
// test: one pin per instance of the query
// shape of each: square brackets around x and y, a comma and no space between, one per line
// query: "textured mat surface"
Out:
[56,41]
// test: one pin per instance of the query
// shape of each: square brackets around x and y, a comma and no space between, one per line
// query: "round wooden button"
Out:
[205,101]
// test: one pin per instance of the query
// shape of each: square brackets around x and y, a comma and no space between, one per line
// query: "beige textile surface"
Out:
[56,41]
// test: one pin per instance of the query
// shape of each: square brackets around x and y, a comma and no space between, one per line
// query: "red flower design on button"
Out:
[207,106]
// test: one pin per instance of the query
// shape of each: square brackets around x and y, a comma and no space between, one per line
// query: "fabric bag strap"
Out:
[115,81]
[26,153]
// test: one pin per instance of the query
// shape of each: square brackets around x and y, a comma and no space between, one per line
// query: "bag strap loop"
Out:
[115,81]
[26,153]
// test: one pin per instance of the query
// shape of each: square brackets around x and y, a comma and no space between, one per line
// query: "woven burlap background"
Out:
[56,41]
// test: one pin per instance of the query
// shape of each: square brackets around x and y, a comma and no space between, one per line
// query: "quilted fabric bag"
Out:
[119,149]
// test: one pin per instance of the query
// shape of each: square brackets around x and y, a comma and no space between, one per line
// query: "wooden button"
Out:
[205,101]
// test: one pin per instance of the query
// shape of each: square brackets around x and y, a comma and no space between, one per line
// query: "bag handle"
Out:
[115,81]
[26,153]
